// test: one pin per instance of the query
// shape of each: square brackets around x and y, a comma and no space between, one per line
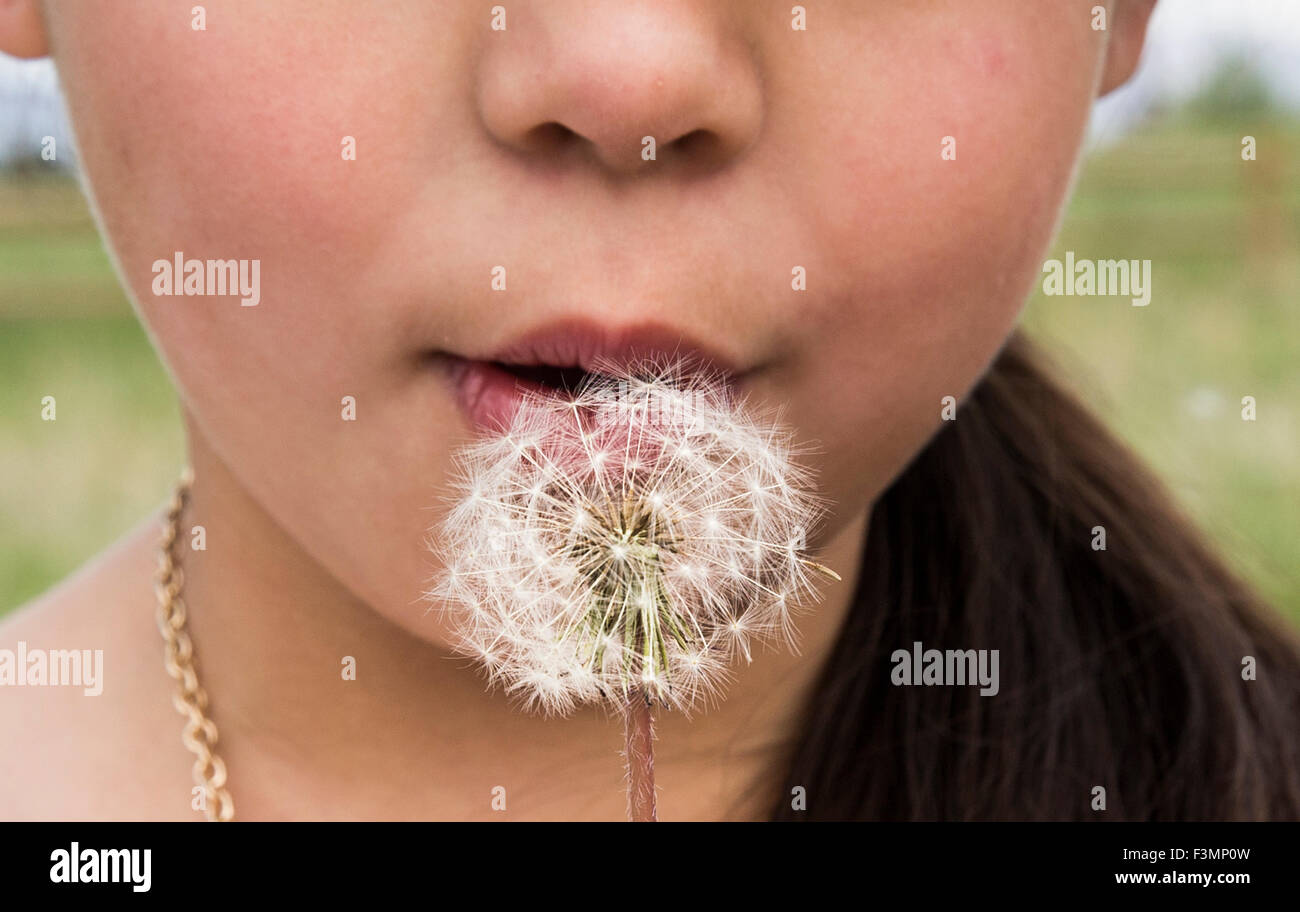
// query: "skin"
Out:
[822,150]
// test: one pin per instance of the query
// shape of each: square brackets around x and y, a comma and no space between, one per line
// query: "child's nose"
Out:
[628,86]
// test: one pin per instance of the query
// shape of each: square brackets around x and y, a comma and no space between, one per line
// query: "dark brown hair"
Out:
[1119,668]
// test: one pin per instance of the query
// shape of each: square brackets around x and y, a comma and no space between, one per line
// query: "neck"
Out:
[416,734]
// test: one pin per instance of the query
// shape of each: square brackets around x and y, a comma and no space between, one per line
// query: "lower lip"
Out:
[487,395]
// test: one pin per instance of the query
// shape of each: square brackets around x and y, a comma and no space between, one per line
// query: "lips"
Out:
[556,357]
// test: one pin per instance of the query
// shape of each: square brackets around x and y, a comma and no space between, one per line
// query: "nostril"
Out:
[696,142]
[698,147]
[553,139]
[551,136]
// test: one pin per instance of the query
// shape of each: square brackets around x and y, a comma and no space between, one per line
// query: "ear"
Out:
[1128,31]
[22,31]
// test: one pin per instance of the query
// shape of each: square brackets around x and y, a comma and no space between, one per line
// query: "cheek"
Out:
[191,152]
[185,157]
[926,260]
[229,143]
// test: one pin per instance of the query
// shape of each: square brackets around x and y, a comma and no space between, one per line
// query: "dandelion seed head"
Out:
[633,535]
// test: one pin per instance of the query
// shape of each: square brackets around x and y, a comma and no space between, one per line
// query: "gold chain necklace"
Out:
[190,700]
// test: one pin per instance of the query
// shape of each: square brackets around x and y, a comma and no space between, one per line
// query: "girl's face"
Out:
[780,153]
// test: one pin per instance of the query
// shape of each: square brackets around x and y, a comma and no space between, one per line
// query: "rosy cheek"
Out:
[226,173]
[925,258]
[948,199]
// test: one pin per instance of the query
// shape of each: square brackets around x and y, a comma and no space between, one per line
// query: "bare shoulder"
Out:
[85,705]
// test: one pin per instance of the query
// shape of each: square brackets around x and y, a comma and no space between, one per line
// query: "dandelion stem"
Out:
[638,722]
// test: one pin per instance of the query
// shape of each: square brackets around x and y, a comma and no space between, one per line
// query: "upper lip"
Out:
[589,345]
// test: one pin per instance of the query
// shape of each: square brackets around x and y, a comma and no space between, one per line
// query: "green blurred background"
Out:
[1223,323]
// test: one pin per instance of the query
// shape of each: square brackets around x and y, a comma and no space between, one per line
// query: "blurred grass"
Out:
[1223,236]
[1224,322]
[72,485]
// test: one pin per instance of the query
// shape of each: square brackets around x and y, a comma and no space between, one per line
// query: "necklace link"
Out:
[200,732]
